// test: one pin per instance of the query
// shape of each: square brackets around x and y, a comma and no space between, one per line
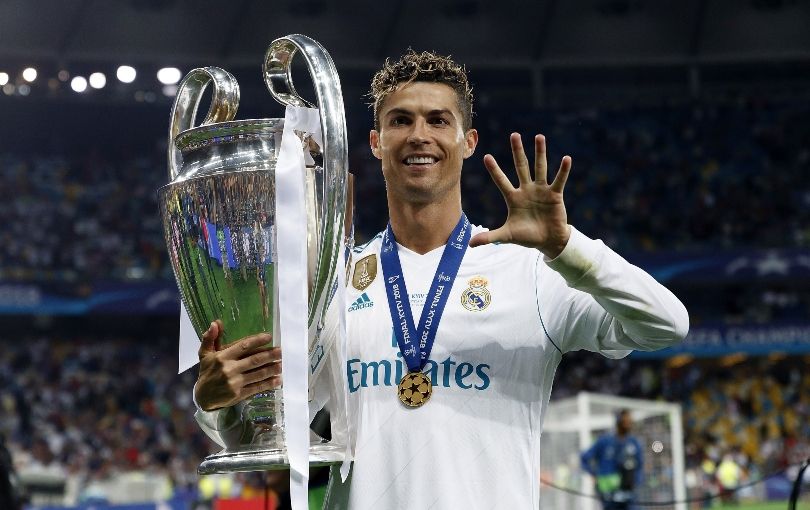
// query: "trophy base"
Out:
[265,458]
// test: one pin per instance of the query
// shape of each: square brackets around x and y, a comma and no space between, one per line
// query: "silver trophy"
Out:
[219,223]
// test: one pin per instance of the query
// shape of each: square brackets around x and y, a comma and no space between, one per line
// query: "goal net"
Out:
[573,424]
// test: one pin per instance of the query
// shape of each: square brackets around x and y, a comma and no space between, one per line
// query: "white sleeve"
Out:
[597,301]
[328,390]
[320,391]
[223,426]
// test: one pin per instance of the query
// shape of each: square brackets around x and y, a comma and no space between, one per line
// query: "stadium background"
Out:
[687,123]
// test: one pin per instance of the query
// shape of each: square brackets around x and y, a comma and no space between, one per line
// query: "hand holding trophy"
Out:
[223,218]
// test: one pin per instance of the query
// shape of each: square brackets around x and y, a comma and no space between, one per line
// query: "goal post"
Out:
[573,424]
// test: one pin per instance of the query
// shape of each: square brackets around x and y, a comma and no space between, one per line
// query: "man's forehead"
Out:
[421,96]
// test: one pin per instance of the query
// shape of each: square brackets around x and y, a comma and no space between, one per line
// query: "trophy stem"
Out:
[264,413]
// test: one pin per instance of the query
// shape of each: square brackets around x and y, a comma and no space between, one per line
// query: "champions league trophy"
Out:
[219,221]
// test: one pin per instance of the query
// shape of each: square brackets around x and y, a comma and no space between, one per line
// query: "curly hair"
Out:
[426,66]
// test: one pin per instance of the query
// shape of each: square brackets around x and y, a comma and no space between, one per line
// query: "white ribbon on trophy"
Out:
[291,226]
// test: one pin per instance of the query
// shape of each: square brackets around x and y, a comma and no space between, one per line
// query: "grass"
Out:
[770,505]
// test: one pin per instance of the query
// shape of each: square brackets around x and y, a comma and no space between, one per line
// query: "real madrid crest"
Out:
[476,297]
[364,272]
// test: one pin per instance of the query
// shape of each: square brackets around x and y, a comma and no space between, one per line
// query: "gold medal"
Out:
[414,389]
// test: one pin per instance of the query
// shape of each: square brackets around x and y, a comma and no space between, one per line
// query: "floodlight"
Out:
[126,74]
[169,75]
[29,74]
[78,84]
[98,80]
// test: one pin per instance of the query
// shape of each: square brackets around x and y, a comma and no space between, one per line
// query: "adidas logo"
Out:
[362,302]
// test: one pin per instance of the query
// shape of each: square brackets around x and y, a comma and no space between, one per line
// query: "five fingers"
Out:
[522,166]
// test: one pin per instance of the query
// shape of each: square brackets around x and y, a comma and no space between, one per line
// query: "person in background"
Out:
[729,475]
[615,461]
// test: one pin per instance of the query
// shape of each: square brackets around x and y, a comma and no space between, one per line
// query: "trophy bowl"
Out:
[219,222]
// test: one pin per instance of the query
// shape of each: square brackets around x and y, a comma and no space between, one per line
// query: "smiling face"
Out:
[422,144]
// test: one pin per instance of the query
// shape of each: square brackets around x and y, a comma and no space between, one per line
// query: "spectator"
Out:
[729,475]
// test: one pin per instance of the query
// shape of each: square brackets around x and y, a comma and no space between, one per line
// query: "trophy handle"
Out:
[224,102]
[277,77]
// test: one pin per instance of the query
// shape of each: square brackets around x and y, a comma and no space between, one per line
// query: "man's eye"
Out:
[440,121]
[399,121]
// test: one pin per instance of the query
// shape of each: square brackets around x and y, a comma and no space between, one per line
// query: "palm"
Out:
[536,211]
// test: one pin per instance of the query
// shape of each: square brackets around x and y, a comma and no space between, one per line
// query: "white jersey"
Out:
[509,318]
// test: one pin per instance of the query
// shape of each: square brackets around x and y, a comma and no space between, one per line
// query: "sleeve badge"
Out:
[365,270]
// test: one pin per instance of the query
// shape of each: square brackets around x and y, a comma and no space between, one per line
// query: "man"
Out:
[448,377]
[615,461]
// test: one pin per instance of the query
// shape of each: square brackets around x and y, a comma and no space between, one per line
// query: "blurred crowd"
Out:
[760,410]
[92,410]
[79,220]
[687,177]
[89,409]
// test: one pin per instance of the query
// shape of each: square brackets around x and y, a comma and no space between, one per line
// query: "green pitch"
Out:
[771,505]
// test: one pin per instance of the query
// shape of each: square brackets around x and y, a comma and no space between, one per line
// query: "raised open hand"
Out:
[536,211]
[240,370]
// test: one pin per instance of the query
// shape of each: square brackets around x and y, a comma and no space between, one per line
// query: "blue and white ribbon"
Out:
[415,345]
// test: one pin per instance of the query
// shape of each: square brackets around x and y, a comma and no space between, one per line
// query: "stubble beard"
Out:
[422,192]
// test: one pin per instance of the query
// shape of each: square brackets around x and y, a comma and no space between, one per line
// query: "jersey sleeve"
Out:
[593,299]
[320,392]
[223,426]
[328,391]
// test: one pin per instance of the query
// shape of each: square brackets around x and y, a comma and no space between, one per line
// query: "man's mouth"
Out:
[420,160]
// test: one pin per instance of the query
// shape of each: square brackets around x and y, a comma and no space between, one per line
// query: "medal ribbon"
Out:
[415,345]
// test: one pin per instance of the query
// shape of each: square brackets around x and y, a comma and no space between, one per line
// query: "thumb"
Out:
[209,339]
[490,236]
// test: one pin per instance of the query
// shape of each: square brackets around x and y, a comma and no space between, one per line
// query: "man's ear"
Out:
[374,142]
[471,140]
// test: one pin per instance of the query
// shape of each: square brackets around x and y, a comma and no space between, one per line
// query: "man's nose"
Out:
[418,132]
